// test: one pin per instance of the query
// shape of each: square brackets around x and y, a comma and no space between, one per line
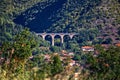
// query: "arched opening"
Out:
[70,42]
[57,40]
[48,38]
[42,42]
[75,38]
[66,38]
[66,41]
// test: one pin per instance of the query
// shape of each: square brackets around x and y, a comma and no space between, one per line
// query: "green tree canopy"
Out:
[106,66]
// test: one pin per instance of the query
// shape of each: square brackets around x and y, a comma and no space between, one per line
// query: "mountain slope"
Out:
[37,17]
[9,9]
[92,19]
[65,14]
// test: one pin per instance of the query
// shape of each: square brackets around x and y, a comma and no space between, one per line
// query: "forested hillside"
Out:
[96,21]
[9,10]
[25,56]
[93,19]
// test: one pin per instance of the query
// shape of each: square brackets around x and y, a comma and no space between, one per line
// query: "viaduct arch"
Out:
[43,35]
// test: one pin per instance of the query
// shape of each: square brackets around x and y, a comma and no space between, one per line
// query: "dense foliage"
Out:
[8,11]
[17,61]
[92,19]
[96,21]
[106,65]
[15,54]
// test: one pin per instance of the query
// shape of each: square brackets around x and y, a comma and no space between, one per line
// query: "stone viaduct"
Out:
[43,35]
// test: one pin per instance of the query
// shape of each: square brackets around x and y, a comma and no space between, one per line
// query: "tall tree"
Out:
[16,53]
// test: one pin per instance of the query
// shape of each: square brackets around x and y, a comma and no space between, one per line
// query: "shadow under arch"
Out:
[48,38]
[57,40]
[75,37]
[66,38]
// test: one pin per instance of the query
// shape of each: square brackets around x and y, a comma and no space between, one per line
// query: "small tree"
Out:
[56,65]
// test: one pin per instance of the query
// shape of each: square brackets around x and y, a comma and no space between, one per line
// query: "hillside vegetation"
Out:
[25,56]
[9,10]
[93,20]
